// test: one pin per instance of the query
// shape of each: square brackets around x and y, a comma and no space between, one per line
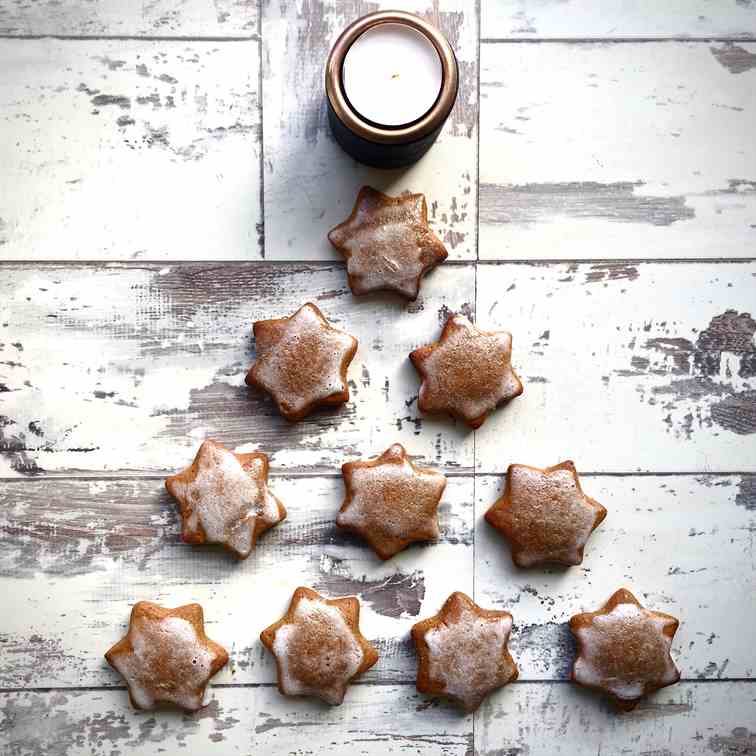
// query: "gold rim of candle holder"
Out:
[418,129]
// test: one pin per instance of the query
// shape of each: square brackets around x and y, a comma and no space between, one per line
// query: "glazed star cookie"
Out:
[387,243]
[467,373]
[545,515]
[318,646]
[462,652]
[390,502]
[301,362]
[623,650]
[165,657]
[223,498]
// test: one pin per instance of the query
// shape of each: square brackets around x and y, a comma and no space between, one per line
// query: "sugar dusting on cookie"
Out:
[394,497]
[624,650]
[555,509]
[317,653]
[386,254]
[224,498]
[387,243]
[468,372]
[466,654]
[169,663]
[304,367]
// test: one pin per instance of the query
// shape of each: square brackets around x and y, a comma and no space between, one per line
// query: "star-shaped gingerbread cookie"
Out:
[223,498]
[318,646]
[301,361]
[462,652]
[545,515]
[390,502]
[387,243]
[467,373]
[165,657]
[623,650]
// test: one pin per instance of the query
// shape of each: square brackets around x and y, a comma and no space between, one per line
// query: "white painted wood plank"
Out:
[626,367]
[372,720]
[108,368]
[116,150]
[310,184]
[163,18]
[682,544]
[544,19]
[688,718]
[75,555]
[618,151]
[524,718]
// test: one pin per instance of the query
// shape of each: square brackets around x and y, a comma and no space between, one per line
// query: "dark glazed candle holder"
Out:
[387,146]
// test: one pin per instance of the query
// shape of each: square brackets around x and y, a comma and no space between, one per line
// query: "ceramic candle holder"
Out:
[380,145]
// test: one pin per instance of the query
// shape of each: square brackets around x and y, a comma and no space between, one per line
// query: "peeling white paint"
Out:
[148,149]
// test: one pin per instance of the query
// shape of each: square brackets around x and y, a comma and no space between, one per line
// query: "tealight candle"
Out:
[392,74]
[391,82]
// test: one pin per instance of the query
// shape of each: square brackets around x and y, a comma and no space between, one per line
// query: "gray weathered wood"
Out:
[118,150]
[610,19]
[76,554]
[675,540]
[682,544]
[524,718]
[163,18]
[118,368]
[310,184]
[626,366]
[688,718]
[618,150]
[372,720]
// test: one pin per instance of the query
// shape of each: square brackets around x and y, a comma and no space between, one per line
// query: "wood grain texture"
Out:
[626,367]
[76,554]
[310,184]
[163,18]
[688,718]
[683,545]
[117,150]
[618,151]
[372,720]
[128,368]
[544,19]
[523,718]
[111,374]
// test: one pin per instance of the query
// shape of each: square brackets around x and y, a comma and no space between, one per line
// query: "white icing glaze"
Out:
[466,655]
[558,507]
[305,365]
[395,498]
[387,244]
[603,639]
[471,369]
[225,498]
[171,645]
[313,619]
[388,258]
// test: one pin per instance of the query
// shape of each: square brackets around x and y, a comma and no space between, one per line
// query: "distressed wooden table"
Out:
[167,177]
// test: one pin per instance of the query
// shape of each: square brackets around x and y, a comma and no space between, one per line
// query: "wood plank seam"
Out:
[260,86]
[305,475]
[335,263]
[611,40]
[131,38]
[360,683]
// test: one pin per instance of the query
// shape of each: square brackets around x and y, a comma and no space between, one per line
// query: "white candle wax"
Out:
[392,74]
